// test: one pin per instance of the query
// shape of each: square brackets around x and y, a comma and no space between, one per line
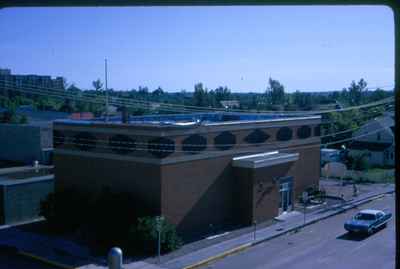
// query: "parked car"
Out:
[330,155]
[367,221]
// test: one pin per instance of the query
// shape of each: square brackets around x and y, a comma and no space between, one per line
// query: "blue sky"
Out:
[308,48]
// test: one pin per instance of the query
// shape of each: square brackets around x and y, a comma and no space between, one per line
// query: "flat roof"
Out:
[194,119]
[20,175]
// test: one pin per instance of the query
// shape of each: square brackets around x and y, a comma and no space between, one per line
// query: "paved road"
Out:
[13,261]
[322,245]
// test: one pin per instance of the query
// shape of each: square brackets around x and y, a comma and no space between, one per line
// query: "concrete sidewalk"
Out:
[70,255]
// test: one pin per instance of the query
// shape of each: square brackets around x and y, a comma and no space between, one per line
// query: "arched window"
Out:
[225,140]
[58,138]
[85,141]
[304,132]
[122,144]
[161,147]
[256,136]
[194,144]
[284,134]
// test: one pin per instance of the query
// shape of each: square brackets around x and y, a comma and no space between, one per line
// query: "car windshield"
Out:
[365,216]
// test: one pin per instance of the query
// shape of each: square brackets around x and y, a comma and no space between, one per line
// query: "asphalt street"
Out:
[323,245]
[13,261]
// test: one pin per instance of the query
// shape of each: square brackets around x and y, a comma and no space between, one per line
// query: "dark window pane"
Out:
[85,141]
[58,138]
[161,147]
[122,144]
[304,132]
[284,134]
[224,140]
[317,130]
[256,136]
[194,143]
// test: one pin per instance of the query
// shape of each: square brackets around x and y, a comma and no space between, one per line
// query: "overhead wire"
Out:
[129,101]
[252,149]
[224,144]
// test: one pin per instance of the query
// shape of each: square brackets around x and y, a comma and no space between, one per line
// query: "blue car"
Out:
[367,221]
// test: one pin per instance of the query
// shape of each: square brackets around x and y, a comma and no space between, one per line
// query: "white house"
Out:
[376,140]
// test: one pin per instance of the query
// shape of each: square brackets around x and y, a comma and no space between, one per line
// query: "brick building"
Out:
[194,169]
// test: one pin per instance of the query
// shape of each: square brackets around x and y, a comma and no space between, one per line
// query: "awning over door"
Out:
[264,159]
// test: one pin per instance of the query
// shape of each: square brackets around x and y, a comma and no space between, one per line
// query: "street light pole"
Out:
[255,229]
[159,246]
[159,221]
[106,89]
[305,199]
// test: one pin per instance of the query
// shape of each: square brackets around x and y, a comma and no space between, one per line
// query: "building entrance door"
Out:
[285,194]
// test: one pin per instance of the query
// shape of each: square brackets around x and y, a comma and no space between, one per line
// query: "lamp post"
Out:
[255,229]
[159,222]
[305,200]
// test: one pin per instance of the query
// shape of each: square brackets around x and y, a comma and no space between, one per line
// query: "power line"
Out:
[63,95]
[187,108]
[236,144]
[247,150]
[206,146]
[93,100]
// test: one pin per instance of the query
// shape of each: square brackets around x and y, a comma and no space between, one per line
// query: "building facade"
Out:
[26,143]
[9,81]
[21,191]
[375,140]
[197,170]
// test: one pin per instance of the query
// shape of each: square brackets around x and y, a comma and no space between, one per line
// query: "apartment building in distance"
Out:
[196,170]
[9,81]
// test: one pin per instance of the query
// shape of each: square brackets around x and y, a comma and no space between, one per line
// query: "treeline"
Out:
[274,98]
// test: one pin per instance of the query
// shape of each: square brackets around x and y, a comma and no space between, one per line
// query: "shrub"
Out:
[143,237]
[360,163]
[23,119]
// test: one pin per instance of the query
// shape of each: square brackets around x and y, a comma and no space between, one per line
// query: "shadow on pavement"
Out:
[353,236]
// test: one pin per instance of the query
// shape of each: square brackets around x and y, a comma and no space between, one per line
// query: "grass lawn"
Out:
[377,175]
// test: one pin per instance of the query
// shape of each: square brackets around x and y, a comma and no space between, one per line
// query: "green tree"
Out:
[144,236]
[302,100]
[97,85]
[23,119]
[222,93]
[377,95]
[355,93]
[200,95]
[68,106]
[359,162]
[275,92]
[9,116]
[143,91]
[158,92]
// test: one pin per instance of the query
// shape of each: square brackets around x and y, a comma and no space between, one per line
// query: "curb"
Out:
[250,244]
[219,256]
[43,260]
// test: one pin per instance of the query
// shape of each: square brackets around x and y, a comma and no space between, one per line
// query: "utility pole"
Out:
[106,89]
